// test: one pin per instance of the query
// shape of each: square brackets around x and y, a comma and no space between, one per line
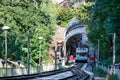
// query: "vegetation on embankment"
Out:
[101,17]
[65,14]
[100,73]
[37,16]
[21,15]
[104,21]
[109,61]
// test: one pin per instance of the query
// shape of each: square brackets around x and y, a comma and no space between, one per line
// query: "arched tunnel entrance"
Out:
[72,44]
[75,36]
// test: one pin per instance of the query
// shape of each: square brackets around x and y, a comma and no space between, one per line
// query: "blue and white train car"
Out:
[82,54]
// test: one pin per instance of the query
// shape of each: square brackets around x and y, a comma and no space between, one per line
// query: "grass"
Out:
[99,72]
[113,77]
[108,61]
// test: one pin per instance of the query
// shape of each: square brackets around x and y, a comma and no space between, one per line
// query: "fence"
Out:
[109,69]
[19,71]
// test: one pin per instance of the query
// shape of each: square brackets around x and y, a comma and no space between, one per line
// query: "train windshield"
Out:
[83,54]
[82,50]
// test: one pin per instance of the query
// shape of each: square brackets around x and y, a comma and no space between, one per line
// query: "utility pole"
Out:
[98,51]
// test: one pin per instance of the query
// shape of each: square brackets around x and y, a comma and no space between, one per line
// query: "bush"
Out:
[113,77]
[99,72]
[64,15]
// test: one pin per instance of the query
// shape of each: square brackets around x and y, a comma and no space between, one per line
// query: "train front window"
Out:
[81,54]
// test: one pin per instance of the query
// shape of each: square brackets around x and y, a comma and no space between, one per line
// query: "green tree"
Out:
[104,20]
[82,12]
[64,15]
[21,16]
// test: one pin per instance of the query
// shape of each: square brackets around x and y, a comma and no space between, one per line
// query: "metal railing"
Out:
[109,69]
[19,71]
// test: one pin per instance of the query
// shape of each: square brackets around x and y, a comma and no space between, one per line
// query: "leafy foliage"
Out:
[101,18]
[114,77]
[105,18]
[21,15]
[99,72]
[66,14]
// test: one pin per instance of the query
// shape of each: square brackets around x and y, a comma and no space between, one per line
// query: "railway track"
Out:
[78,73]
[55,74]
[72,73]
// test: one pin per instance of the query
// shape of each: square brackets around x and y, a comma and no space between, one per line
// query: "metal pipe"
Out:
[28,54]
[6,28]
[40,53]
[6,49]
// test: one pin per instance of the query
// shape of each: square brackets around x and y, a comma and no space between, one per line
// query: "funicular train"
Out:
[82,53]
[75,42]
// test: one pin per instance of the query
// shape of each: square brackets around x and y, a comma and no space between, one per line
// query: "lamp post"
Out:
[40,38]
[5,28]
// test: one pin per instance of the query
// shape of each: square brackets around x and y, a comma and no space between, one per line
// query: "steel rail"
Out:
[76,70]
[30,76]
